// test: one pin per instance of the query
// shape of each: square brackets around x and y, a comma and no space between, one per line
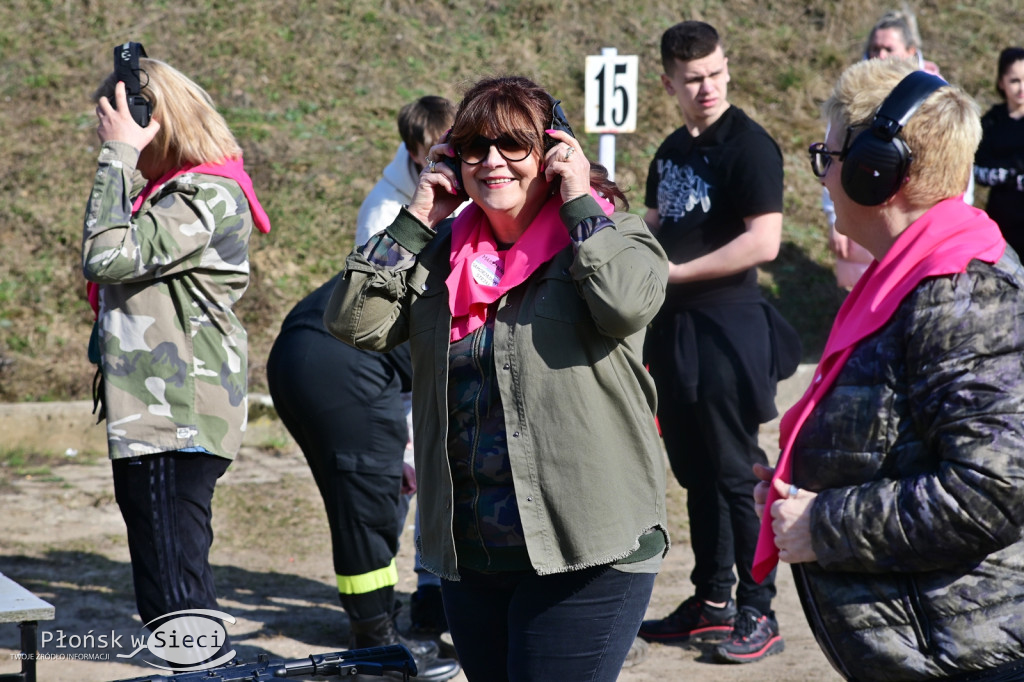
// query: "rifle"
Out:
[369,661]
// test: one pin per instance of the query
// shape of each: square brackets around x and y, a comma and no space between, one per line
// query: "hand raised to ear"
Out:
[567,161]
[117,125]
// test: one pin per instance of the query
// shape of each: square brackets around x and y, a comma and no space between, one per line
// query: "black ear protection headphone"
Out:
[558,122]
[126,68]
[875,163]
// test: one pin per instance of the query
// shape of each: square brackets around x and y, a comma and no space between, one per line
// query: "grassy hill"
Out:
[311,88]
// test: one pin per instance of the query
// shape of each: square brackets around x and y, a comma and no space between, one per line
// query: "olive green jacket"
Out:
[586,458]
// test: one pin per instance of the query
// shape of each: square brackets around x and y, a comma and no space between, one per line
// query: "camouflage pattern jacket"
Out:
[174,353]
[917,456]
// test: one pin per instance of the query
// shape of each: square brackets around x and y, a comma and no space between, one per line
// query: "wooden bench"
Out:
[18,605]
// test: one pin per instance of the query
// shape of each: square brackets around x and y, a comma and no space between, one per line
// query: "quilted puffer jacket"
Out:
[917,456]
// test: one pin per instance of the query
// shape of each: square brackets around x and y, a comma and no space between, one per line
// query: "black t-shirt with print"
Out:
[704,187]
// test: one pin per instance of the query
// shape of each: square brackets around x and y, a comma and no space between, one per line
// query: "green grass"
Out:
[20,463]
[312,89]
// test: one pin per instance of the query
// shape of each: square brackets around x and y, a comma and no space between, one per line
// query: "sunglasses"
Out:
[511,147]
[821,158]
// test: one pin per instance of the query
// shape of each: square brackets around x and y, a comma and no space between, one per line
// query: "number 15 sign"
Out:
[611,99]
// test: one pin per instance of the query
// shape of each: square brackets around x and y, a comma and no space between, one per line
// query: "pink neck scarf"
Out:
[481,273]
[941,242]
[231,169]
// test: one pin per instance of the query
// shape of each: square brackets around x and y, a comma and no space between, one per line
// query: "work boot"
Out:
[381,631]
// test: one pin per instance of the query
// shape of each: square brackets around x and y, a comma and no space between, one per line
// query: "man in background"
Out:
[717,348]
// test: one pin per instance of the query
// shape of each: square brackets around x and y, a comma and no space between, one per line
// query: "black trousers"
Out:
[165,500]
[712,447]
[343,407]
[517,625]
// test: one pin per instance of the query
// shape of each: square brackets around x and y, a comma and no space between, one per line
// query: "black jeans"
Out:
[712,447]
[165,500]
[522,627]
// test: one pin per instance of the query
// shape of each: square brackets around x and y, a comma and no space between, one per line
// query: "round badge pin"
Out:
[488,269]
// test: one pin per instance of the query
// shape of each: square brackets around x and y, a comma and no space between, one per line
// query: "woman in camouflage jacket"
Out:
[898,495]
[166,260]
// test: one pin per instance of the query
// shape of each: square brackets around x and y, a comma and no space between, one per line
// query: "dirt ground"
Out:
[63,538]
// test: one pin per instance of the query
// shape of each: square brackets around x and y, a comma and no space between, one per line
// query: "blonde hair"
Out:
[191,129]
[904,21]
[942,135]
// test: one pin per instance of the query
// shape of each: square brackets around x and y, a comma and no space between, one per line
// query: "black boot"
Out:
[381,631]
[426,611]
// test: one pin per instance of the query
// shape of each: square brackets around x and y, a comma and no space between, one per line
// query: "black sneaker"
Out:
[693,620]
[754,636]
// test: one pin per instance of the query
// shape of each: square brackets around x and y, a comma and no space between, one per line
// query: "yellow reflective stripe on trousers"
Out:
[368,582]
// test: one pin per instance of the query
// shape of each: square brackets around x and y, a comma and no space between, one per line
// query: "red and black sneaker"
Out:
[693,620]
[754,636]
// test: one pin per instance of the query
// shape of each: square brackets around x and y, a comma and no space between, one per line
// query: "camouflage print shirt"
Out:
[174,353]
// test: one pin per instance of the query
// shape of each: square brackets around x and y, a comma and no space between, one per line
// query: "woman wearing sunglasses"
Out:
[897,496]
[540,472]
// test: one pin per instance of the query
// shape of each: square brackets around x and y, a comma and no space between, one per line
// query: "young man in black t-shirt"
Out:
[717,348]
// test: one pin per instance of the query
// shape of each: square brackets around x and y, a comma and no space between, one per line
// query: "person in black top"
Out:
[999,162]
[717,348]
[343,407]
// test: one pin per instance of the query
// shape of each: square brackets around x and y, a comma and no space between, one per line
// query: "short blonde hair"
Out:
[191,129]
[942,135]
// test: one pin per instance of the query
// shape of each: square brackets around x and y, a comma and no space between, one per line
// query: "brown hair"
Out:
[686,41]
[1007,58]
[516,106]
[424,121]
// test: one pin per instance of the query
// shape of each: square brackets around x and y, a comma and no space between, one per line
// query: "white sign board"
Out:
[611,93]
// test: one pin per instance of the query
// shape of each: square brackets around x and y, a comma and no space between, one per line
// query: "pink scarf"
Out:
[941,242]
[481,273]
[231,169]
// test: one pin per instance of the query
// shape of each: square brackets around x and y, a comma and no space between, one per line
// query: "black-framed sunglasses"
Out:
[821,158]
[511,147]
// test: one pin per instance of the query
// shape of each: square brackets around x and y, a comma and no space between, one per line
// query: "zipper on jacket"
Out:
[444,417]
[817,624]
[478,338]
[918,619]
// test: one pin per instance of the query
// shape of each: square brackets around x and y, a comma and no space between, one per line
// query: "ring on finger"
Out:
[793,490]
[431,164]
[570,150]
